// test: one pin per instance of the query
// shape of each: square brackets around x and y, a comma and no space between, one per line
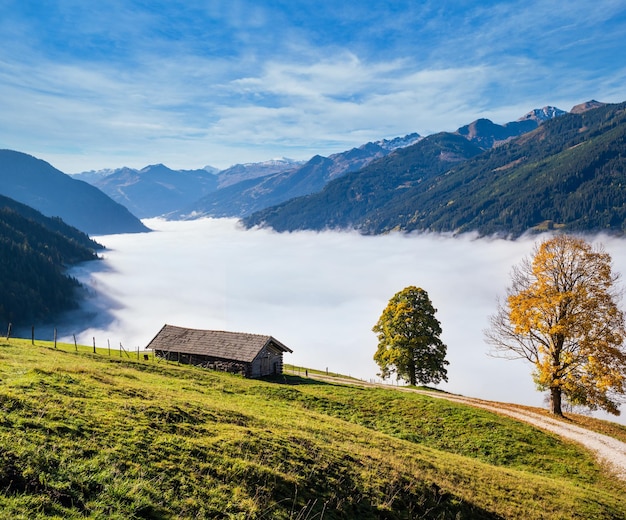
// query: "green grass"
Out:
[86,435]
[304,371]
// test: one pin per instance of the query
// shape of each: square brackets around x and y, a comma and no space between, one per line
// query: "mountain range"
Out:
[244,189]
[157,190]
[253,194]
[154,190]
[236,191]
[567,173]
[467,180]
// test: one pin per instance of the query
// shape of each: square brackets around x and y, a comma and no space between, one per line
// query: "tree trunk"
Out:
[412,377]
[555,401]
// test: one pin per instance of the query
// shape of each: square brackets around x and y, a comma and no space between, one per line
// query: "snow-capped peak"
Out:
[543,114]
[399,142]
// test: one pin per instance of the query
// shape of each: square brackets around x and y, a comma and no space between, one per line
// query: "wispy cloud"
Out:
[199,82]
[346,100]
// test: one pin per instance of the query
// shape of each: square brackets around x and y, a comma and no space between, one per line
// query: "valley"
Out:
[230,233]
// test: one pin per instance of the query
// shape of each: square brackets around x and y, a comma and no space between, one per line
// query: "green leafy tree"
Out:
[408,339]
[561,315]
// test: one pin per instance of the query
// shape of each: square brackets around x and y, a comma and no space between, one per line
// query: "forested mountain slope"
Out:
[570,173]
[34,251]
[352,200]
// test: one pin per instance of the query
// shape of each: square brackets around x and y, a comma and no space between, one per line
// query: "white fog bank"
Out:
[318,293]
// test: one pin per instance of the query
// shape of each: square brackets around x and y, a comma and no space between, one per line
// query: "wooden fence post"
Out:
[94,344]
[32,335]
[9,332]
[55,337]
[75,344]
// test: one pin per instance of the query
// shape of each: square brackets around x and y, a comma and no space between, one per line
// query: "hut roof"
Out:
[238,346]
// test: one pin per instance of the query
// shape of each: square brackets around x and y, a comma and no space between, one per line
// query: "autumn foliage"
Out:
[561,314]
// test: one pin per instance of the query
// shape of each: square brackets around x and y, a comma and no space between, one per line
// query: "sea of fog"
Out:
[318,293]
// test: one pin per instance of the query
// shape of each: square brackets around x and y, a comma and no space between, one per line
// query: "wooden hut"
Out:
[251,355]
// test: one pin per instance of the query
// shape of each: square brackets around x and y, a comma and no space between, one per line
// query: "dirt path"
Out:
[608,450]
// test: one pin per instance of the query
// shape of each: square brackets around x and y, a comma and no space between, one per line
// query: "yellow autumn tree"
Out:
[561,314]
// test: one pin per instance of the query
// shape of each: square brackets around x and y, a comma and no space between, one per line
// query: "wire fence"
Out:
[95,347]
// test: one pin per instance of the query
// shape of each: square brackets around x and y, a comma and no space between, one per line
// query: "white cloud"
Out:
[222,83]
[346,100]
[319,293]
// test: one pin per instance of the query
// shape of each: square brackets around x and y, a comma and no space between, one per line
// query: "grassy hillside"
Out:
[86,435]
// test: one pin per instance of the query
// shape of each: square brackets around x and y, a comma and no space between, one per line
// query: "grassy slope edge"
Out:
[93,436]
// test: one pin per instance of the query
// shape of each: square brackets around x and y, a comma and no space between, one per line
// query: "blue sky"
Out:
[90,85]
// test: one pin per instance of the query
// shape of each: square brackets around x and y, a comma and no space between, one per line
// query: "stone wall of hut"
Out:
[222,365]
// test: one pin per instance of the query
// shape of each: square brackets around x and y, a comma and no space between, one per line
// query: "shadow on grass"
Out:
[284,379]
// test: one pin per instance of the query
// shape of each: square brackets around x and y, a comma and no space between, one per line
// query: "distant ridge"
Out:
[542,114]
[36,183]
[154,190]
[488,134]
[253,194]
[588,105]
[246,171]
